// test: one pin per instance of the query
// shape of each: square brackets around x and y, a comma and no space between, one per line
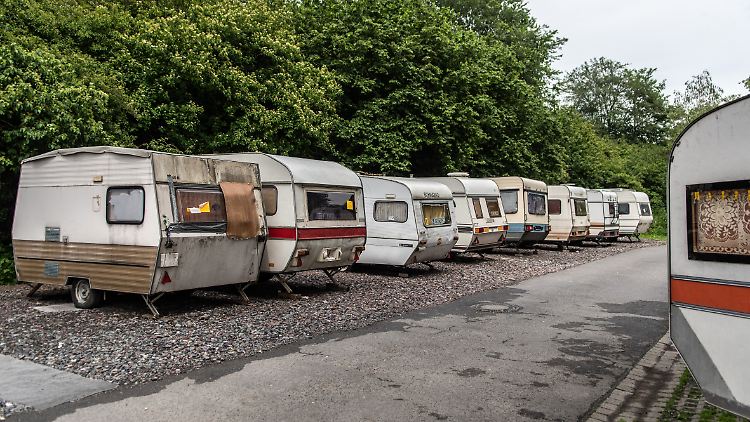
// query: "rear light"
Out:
[506,227]
[528,228]
[165,278]
[422,242]
[477,230]
[297,257]
[356,251]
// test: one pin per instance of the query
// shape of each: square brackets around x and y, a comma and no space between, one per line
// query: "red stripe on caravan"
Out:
[282,233]
[332,233]
[725,297]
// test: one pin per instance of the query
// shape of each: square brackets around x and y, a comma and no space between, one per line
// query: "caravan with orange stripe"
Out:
[709,253]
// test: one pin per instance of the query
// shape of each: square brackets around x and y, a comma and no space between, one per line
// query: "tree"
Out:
[622,102]
[700,95]
[746,82]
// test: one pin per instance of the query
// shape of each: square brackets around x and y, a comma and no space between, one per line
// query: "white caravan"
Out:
[629,216]
[603,215]
[408,221]
[568,214]
[645,218]
[479,216]
[525,204]
[315,214]
[104,219]
[709,253]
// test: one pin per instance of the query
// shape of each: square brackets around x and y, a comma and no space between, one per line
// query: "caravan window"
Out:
[555,206]
[195,205]
[493,206]
[391,211]
[434,215]
[645,209]
[125,205]
[270,197]
[612,209]
[510,201]
[477,208]
[537,203]
[623,208]
[330,205]
[580,207]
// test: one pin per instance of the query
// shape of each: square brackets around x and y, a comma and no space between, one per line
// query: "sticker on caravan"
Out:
[350,205]
[204,207]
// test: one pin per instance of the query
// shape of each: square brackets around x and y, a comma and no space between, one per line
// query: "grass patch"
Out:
[670,412]
[654,236]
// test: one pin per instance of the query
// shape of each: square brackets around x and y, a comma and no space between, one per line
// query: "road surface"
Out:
[548,348]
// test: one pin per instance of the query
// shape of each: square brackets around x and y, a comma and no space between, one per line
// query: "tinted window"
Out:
[125,205]
[331,205]
[580,207]
[645,209]
[537,203]
[270,197]
[555,206]
[510,201]
[623,208]
[477,208]
[391,211]
[200,205]
[493,206]
[436,215]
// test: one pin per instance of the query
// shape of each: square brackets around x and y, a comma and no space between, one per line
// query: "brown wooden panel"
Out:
[108,267]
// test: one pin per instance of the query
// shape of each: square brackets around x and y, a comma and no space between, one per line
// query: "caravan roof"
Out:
[279,168]
[468,186]
[600,195]
[572,191]
[640,197]
[94,150]
[522,183]
[623,195]
[421,189]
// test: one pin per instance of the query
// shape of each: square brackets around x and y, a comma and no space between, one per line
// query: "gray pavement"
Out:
[40,386]
[549,348]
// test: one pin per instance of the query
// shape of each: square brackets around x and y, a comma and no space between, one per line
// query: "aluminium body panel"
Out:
[298,242]
[629,214]
[603,215]
[406,240]
[478,229]
[709,233]
[524,227]
[644,212]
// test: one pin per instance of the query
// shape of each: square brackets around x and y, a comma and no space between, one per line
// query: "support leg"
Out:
[34,288]
[241,291]
[429,264]
[150,302]
[287,293]
[333,284]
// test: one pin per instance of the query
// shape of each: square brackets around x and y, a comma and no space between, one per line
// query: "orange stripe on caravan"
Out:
[711,295]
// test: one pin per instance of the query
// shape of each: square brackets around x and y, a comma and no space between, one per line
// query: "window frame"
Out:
[476,200]
[619,211]
[585,207]
[640,209]
[545,197]
[206,188]
[447,213]
[374,211]
[691,222]
[276,197]
[143,205]
[516,192]
[307,192]
[497,200]
[549,207]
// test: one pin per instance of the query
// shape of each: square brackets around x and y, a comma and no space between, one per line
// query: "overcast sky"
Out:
[680,38]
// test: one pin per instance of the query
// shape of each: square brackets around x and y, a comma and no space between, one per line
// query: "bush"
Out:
[7,269]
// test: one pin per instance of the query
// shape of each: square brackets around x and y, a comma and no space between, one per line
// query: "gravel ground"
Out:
[120,342]
[6,408]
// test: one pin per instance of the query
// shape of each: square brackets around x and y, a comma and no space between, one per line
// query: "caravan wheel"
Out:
[84,296]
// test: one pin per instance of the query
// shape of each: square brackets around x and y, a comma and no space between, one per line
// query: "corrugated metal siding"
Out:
[108,267]
[80,169]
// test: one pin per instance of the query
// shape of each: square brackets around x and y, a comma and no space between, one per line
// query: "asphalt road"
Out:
[548,348]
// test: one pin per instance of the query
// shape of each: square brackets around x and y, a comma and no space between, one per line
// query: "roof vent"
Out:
[458,174]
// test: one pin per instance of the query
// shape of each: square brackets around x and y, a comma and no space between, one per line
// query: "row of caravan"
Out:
[107,219]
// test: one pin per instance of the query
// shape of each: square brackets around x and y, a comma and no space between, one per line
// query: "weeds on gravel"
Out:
[670,409]
[7,269]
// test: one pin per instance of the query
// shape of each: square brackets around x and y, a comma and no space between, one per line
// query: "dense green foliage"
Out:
[413,87]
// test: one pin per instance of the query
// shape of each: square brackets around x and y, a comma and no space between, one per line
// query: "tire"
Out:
[84,297]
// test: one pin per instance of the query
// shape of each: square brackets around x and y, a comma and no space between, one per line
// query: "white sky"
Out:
[680,38]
